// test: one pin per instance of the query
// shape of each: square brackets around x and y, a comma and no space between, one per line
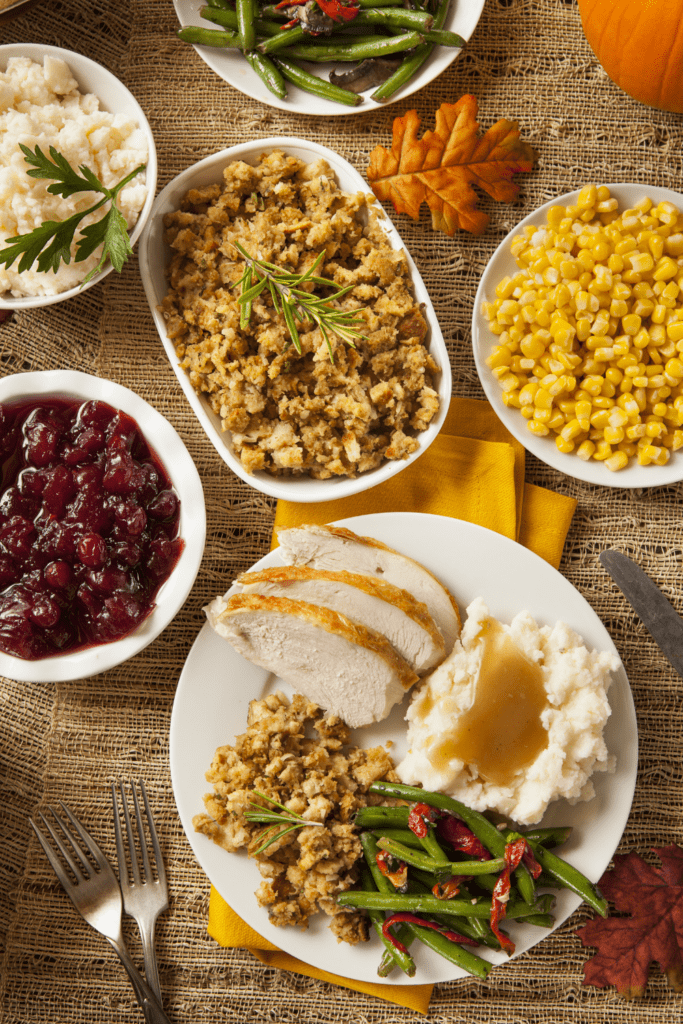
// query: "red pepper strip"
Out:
[459,836]
[289,24]
[414,919]
[530,862]
[513,855]
[338,11]
[397,875]
[290,3]
[419,819]
[450,888]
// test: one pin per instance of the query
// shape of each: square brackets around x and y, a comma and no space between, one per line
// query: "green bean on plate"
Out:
[328,56]
[453,889]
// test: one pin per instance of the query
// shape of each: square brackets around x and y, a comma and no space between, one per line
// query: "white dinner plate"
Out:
[502,264]
[231,66]
[217,684]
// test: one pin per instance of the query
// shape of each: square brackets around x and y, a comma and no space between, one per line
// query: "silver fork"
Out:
[94,891]
[144,897]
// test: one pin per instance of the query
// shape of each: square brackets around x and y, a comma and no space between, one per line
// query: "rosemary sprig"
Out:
[276,820]
[50,243]
[294,303]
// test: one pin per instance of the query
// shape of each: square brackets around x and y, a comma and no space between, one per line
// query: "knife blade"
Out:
[656,611]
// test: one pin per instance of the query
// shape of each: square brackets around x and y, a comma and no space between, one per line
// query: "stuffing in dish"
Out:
[327,411]
[322,780]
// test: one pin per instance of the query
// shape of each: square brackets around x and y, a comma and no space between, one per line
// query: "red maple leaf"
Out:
[653,897]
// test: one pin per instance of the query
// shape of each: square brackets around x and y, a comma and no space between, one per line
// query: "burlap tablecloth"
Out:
[527,60]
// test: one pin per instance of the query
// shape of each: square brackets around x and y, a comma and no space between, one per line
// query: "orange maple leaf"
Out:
[442,167]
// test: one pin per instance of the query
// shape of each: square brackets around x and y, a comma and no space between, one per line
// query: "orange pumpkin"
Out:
[640,45]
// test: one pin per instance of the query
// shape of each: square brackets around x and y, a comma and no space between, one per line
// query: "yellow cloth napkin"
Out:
[474,470]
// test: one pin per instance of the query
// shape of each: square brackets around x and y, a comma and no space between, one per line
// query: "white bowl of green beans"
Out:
[254,46]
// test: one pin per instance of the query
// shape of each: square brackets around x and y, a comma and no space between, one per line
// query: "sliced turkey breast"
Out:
[336,548]
[346,668]
[405,622]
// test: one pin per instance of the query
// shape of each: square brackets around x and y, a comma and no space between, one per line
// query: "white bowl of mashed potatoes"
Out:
[55,97]
[301,428]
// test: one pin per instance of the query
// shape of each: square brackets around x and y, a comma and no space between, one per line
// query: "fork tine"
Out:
[131,838]
[92,847]
[80,874]
[120,852]
[57,867]
[147,871]
[161,871]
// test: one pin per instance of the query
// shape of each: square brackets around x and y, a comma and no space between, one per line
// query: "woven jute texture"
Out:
[527,60]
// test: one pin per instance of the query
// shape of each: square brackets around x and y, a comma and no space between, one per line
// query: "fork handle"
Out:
[151,1007]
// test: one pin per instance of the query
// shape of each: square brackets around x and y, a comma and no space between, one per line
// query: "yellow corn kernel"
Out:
[543,399]
[600,419]
[500,356]
[665,269]
[663,457]
[617,461]
[527,411]
[511,399]
[603,450]
[635,432]
[654,429]
[613,434]
[586,449]
[556,421]
[674,244]
[588,196]
[564,446]
[630,324]
[641,262]
[571,430]
[655,244]
[539,429]
[674,331]
[505,288]
[678,440]
[618,307]
[582,412]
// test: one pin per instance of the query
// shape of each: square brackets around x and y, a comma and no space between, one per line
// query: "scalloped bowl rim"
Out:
[167,444]
[154,255]
[501,263]
[86,72]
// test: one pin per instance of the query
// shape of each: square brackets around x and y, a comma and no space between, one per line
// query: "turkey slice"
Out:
[405,622]
[345,668]
[336,548]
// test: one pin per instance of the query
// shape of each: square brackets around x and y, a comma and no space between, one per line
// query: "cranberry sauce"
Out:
[88,526]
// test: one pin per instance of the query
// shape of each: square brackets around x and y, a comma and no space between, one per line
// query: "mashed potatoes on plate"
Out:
[513,719]
[41,105]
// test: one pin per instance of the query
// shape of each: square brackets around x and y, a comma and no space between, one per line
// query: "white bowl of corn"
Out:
[578,334]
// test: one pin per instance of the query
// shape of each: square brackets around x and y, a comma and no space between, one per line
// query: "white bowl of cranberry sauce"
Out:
[102,525]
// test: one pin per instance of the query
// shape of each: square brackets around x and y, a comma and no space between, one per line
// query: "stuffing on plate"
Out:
[322,413]
[322,780]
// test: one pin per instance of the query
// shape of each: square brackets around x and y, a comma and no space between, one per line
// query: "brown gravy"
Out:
[501,733]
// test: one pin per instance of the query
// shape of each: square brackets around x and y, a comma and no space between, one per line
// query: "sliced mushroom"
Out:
[366,75]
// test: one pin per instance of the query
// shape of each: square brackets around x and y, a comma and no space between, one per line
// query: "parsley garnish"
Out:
[50,243]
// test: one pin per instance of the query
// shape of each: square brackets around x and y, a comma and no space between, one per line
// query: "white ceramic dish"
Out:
[502,263]
[155,254]
[162,437]
[216,686]
[234,69]
[115,98]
